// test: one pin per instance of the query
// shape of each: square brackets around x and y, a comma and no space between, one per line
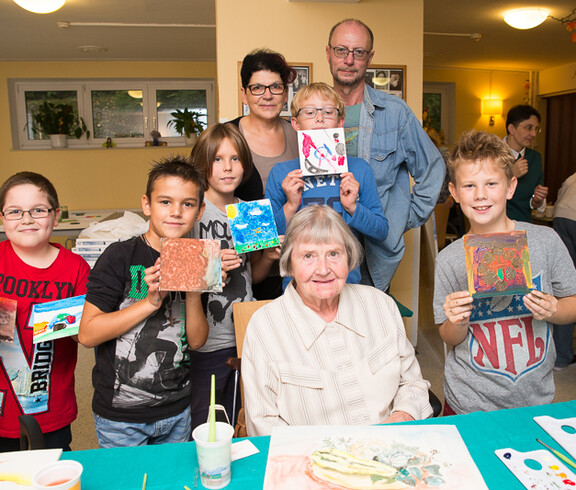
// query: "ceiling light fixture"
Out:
[526,18]
[40,6]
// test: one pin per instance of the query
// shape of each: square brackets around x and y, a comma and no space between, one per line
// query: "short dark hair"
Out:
[207,146]
[480,147]
[352,21]
[33,178]
[520,113]
[175,166]
[266,59]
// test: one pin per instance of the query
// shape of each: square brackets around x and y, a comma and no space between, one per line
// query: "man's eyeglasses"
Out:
[310,112]
[18,214]
[342,52]
[259,89]
[530,128]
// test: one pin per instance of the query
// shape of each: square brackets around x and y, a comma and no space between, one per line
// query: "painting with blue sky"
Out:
[252,225]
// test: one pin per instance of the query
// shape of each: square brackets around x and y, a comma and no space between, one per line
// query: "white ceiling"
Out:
[30,37]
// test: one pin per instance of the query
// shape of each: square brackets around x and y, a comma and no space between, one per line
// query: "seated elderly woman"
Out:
[327,352]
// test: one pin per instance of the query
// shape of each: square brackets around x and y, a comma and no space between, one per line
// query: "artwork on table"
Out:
[322,151]
[498,264]
[303,77]
[537,469]
[8,309]
[370,457]
[188,264]
[57,319]
[387,78]
[252,225]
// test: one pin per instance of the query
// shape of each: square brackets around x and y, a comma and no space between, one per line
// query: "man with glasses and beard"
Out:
[381,129]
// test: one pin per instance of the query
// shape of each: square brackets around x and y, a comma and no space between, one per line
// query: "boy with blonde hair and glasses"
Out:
[352,194]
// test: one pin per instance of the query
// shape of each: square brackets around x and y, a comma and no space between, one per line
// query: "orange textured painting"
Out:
[188,264]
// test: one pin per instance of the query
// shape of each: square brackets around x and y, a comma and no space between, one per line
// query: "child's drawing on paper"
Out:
[498,264]
[370,457]
[252,225]
[57,319]
[322,151]
[7,319]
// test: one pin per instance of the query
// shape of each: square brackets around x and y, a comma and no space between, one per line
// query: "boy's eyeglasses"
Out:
[310,112]
[18,214]
[530,128]
[259,89]
[358,53]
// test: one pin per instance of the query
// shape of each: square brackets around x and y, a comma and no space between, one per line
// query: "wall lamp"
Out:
[491,107]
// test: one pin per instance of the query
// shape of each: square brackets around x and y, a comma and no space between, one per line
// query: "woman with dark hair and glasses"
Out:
[265,79]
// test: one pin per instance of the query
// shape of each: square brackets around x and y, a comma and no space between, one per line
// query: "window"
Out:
[439,99]
[124,110]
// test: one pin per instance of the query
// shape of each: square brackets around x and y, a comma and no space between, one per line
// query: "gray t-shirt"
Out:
[264,164]
[507,357]
[238,285]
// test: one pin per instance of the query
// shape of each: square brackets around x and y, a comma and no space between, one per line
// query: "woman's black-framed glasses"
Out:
[18,214]
[259,89]
[358,53]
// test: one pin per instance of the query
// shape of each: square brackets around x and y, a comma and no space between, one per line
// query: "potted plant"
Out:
[58,121]
[187,123]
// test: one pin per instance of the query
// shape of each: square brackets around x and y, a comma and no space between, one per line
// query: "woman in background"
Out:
[265,78]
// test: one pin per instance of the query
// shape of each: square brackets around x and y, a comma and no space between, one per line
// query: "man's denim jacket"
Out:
[393,142]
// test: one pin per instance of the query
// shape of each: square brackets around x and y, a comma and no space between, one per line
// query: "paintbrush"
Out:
[559,454]
[212,413]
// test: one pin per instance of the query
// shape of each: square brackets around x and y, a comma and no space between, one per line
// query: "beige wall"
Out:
[472,86]
[299,30]
[557,80]
[99,178]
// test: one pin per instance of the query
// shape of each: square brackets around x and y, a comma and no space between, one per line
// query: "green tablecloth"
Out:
[172,466]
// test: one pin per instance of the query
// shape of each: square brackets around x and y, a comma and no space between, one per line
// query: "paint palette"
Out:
[563,431]
[537,469]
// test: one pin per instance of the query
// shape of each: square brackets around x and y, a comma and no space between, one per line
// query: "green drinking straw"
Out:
[212,417]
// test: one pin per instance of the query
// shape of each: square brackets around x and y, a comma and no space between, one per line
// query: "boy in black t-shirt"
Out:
[141,385]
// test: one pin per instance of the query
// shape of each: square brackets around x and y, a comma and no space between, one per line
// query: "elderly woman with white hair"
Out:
[327,352]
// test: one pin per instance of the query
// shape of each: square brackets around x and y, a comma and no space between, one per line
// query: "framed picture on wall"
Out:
[388,78]
[303,77]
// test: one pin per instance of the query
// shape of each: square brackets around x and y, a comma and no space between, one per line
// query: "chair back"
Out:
[242,314]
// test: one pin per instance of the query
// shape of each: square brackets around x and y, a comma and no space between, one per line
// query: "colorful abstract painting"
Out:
[498,264]
[8,309]
[188,264]
[252,225]
[370,457]
[57,319]
[322,151]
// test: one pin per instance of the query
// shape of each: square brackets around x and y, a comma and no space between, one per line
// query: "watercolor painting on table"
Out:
[322,151]
[188,264]
[252,225]
[8,309]
[57,319]
[370,457]
[498,264]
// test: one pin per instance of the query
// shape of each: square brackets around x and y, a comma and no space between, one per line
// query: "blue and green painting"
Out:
[252,225]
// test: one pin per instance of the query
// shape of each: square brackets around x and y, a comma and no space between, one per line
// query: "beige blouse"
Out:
[356,370]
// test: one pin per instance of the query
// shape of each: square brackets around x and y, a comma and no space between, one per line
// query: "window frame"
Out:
[84,88]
